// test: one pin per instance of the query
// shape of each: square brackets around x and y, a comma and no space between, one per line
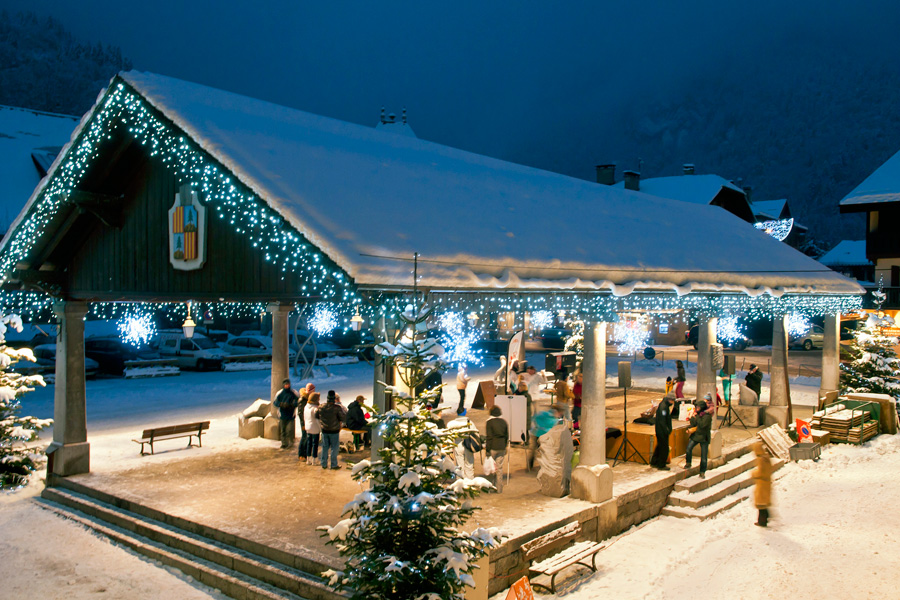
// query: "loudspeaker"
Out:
[729,364]
[624,374]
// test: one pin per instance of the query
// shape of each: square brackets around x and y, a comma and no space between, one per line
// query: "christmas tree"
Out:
[873,366]
[401,537]
[17,460]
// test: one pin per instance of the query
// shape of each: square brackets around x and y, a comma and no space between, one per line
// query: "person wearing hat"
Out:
[301,412]
[663,424]
[313,429]
[762,476]
[496,440]
[286,403]
[701,435]
[331,418]
[356,421]
[754,380]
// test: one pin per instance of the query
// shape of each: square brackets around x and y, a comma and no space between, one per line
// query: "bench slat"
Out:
[567,557]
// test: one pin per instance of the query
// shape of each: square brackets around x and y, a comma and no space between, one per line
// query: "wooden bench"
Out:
[171,432]
[351,447]
[576,554]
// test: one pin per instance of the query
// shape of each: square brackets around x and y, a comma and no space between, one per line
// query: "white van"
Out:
[198,352]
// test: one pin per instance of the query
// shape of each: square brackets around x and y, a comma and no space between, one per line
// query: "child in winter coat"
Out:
[313,428]
[762,475]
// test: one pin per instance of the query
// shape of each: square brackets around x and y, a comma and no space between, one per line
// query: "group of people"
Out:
[320,422]
[494,443]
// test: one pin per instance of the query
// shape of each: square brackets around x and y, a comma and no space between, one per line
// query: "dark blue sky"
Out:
[491,77]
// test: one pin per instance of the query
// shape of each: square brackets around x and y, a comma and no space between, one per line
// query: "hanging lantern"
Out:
[356,321]
[473,318]
[189,324]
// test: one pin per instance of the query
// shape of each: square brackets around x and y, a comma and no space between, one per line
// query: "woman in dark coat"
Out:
[663,425]
[356,420]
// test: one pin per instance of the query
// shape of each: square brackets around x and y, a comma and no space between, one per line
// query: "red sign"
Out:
[520,590]
[803,432]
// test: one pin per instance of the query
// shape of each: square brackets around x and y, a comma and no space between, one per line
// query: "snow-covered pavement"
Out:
[835,534]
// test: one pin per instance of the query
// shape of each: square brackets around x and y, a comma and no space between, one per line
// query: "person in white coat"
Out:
[462,381]
[468,445]
[313,428]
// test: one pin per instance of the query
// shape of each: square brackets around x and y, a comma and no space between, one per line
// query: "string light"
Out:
[778,229]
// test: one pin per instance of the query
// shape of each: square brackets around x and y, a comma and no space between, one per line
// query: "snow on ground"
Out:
[835,534]
[44,556]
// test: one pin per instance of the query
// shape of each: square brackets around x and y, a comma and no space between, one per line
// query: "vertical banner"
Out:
[515,353]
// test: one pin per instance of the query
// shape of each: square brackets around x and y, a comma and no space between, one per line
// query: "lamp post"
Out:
[356,321]
[189,324]
[473,318]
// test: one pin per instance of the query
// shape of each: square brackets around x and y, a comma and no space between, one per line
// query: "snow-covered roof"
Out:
[699,189]
[367,199]
[25,132]
[846,253]
[770,209]
[881,186]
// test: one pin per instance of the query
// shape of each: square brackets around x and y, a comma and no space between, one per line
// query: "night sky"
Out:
[492,77]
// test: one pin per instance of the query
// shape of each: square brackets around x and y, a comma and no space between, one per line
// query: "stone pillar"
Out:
[280,363]
[69,453]
[706,376]
[779,409]
[592,479]
[831,355]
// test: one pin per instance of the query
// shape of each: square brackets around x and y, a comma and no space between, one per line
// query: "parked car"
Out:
[739,343]
[198,352]
[253,344]
[348,339]
[814,338]
[554,338]
[111,353]
[46,363]
[323,347]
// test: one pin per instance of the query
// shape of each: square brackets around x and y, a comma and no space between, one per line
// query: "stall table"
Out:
[643,438]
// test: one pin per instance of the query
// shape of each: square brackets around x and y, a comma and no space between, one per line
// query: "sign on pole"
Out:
[515,353]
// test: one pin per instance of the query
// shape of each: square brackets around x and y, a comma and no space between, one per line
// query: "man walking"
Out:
[331,417]
[286,403]
[495,443]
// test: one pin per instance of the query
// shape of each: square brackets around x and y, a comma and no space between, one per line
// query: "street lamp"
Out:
[356,321]
[189,324]
[473,318]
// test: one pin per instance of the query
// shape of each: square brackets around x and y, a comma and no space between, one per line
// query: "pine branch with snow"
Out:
[402,537]
[17,459]
[874,366]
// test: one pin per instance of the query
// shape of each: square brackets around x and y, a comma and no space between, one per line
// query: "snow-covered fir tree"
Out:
[575,342]
[17,460]
[402,537]
[874,366]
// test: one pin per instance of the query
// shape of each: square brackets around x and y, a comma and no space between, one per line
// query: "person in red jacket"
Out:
[576,399]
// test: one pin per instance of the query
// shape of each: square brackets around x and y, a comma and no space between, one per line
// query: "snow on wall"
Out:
[486,224]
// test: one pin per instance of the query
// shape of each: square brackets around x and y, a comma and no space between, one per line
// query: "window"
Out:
[187,345]
[204,343]
[170,343]
[255,344]
[239,342]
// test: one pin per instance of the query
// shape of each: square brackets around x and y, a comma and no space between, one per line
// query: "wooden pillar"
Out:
[706,375]
[779,409]
[69,453]
[592,479]
[280,363]
[831,355]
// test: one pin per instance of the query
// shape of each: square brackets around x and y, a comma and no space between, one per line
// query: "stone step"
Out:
[729,470]
[711,494]
[709,511]
[226,564]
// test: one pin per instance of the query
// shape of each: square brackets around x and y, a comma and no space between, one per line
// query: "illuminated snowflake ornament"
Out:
[323,320]
[778,229]
[137,330]
[797,325]
[630,336]
[541,319]
[729,329]
[459,340]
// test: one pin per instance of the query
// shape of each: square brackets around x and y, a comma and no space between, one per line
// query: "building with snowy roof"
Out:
[879,197]
[771,214]
[170,192]
[29,141]
[849,257]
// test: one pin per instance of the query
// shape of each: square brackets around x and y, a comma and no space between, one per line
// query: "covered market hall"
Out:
[171,192]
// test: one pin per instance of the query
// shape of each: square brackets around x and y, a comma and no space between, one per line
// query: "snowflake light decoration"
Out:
[729,329]
[459,340]
[541,319]
[136,330]
[778,229]
[797,325]
[630,336]
[323,320]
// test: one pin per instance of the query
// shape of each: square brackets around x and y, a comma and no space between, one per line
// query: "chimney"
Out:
[748,190]
[688,169]
[632,180]
[606,174]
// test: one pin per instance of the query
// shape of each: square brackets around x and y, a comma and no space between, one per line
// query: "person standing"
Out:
[663,425]
[702,420]
[331,418]
[462,380]
[762,475]
[576,398]
[469,443]
[496,441]
[313,429]
[754,380]
[522,390]
[679,379]
[286,403]
[563,394]
[301,412]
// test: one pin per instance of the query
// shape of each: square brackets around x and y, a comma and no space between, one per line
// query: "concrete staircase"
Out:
[723,487]
[193,549]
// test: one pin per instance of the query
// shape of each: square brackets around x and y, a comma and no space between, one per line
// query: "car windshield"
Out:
[204,343]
